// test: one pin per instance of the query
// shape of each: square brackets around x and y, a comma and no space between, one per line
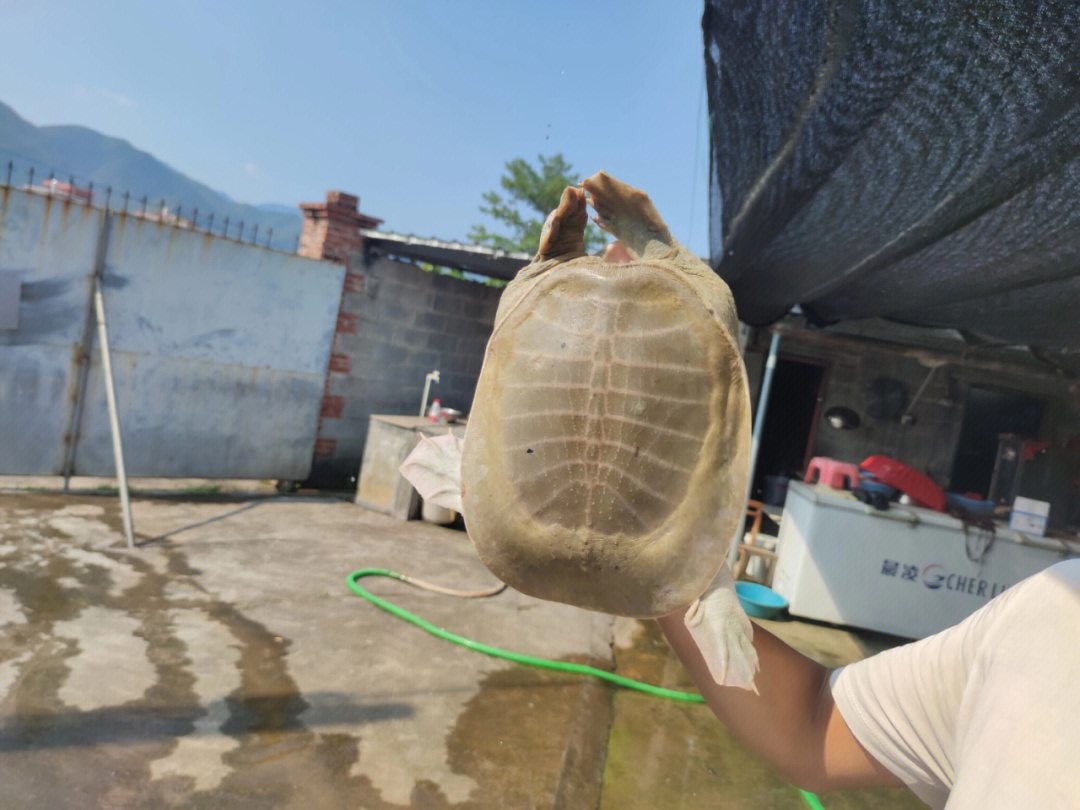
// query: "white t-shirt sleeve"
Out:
[977,712]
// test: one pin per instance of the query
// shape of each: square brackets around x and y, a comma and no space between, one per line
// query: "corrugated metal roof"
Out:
[470,258]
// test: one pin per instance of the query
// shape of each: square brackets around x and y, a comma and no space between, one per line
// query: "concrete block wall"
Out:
[930,444]
[397,322]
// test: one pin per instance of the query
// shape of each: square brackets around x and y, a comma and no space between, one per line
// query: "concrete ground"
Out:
[225,664]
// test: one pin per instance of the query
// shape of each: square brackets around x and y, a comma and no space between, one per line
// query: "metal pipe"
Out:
[82,354]
[763,405]
[759,426]
[433,376]
[114,421]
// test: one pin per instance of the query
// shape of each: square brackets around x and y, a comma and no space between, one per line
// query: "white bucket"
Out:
[433,513]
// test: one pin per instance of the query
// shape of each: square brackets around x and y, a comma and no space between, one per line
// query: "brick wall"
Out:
[331,229]
[397,323]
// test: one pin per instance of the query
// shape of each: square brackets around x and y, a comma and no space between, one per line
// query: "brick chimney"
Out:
[332,229]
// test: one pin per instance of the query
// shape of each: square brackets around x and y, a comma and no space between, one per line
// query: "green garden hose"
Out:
[495,652]
[527,660]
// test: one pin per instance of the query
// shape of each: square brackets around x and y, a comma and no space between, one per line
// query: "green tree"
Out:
[529,195]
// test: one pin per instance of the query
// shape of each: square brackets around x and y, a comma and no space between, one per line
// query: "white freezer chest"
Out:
[907,571]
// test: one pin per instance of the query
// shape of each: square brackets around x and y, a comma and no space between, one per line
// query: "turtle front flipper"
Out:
[629,215]
[563,236]
[723,633]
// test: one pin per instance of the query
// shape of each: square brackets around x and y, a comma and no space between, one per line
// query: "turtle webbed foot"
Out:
[724,634]
[628,214]
[563,236]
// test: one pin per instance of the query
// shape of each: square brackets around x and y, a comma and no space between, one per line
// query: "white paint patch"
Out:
[339,676]
[213,657]
[122,575]
[11,611]
[391,752]
[625,632]
[176,591]
[9,673]
[80,527]
[82,510]
[111,667]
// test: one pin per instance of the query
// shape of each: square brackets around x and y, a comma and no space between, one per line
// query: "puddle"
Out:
[108,697]
[662,753]
[126,684]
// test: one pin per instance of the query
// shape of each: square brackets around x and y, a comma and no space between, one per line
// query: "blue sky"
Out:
[414,106]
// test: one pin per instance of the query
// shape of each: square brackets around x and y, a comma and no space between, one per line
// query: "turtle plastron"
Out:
[606,456]
[715,620]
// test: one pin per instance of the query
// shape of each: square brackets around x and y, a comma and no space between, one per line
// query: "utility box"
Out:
[1029,516]
[389,440]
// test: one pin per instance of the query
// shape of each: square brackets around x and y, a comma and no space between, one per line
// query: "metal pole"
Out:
[114,421]
[763,406]
[759,425]
[74,430]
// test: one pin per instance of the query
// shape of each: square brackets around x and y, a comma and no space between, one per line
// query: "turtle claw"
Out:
[627,213]
[563,236]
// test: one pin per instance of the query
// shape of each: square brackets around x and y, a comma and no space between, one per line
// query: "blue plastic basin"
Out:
[971,505]
[877,487]
[759,601]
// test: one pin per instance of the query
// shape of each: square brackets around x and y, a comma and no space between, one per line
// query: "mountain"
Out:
[94,158]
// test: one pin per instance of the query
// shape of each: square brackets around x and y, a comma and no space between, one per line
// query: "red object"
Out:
[829,471]
[332,407]
[325,447]
[434,411]
[1032,448]
[911,482]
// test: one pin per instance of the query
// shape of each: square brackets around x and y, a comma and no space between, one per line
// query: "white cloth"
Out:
[984,714]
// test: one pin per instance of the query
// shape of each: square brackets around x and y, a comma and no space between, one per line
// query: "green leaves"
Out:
[529,195]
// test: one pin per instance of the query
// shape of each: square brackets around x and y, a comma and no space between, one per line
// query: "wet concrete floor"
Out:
[668,754]
[224,664]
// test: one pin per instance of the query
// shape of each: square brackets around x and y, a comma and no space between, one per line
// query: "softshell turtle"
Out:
[606,457]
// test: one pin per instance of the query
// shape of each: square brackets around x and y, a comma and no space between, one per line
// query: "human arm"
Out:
[792,722]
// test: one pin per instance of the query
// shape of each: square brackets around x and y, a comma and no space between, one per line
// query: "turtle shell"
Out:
[605,458]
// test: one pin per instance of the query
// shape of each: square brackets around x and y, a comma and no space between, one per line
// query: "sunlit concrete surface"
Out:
[224,663]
